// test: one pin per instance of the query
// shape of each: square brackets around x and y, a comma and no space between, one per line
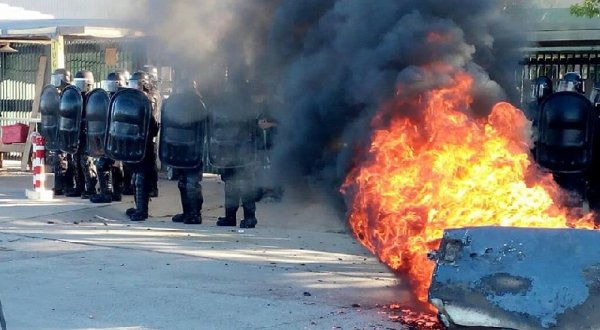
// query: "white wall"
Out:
[72,9]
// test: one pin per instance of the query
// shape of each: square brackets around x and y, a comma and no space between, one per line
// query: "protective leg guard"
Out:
[248,203]
[141,198]
[181,184]
[128,189]
[193,199]
[117,178]
[232,202]
[104,180]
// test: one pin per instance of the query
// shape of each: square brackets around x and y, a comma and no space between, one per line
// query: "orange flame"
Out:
[451,171]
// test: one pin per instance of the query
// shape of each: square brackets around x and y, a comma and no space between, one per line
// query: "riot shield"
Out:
[96,107]
[70,111]
[566,128]
[231,134]
[49,109]
[129,125]
[183,127]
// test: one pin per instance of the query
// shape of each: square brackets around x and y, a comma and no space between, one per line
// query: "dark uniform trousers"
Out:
[142,175]
[239,185]
[110,179]
[63,173]
[190,191]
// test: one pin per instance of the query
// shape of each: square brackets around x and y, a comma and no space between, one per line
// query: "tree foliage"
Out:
[588,8]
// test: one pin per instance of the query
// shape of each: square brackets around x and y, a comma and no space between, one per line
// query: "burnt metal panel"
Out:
[518,278]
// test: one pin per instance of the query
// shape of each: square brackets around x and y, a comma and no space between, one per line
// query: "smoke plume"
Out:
[326,67]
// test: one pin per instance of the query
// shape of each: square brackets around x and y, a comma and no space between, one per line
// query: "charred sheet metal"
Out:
[518,278]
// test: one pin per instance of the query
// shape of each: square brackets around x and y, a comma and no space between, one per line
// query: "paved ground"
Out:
[70,264]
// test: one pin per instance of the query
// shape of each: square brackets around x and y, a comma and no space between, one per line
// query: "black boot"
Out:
[101,198]
[229,218]
[74,192]
[248,204]
[130,211]
[248,223]
[141,199]
[249,220]
[58,185]
[194,217]
[104,179]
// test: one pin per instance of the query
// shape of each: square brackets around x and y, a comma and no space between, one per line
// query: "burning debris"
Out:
[425,83]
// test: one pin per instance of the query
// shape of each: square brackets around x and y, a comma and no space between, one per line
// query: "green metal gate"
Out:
[17,82]
[102,56]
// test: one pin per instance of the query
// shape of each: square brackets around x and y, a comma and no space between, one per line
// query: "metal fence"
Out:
[102,56]
[17,82]
[556,64]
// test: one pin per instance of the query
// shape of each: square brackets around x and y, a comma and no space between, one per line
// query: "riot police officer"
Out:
[566,122]
[153,93]
[128,188]
[183,130]
[85,171]
[110,172]
[143,169]
[541,88]
[49,108]
[232,134]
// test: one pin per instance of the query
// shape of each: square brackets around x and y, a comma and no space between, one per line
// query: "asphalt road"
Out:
[70,264]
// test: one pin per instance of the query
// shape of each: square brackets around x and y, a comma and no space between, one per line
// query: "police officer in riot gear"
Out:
[541,88]
[110,172]
[49,107]
[128,188]
[566,122]
[232,130]
[85,171]
[143,170]
[150,88]
[183,130]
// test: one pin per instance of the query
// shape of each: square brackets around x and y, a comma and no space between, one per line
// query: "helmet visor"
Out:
[110,85]
[566,86]
[83,84]
[57,79]
[135,84]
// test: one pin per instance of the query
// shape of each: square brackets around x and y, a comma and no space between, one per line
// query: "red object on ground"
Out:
[16,133]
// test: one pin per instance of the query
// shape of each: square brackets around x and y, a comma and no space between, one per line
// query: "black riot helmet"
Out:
[541,88]
[140,80]
[114,81]
[126,75]
[153,73]
[84,79]
[571,82]
[60,78]
[151,70]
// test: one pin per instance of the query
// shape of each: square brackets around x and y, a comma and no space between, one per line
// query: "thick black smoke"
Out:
[327,66]
[341,60]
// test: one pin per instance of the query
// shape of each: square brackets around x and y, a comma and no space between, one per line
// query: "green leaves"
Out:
[588,8]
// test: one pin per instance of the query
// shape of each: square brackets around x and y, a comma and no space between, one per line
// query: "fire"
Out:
[447,170]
